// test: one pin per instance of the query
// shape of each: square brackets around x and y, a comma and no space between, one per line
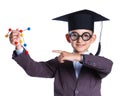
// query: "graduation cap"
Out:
[83,19]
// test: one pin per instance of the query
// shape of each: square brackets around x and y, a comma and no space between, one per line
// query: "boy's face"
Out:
[81,39]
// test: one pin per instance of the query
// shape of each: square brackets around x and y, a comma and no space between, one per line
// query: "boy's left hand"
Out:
[67,56]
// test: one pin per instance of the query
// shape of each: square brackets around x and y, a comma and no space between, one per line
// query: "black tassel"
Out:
[99,49]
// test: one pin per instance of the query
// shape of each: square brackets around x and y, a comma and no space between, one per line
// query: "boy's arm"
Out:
[102,65]
[33,68]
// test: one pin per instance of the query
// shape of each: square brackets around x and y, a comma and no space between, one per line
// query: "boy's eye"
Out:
[74,36]
[86,36]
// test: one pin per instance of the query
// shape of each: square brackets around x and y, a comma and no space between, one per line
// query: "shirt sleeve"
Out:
[18,52]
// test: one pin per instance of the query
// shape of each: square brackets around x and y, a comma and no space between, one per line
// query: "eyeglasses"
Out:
[75,36]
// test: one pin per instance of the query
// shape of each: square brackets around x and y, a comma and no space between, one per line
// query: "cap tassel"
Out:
[99,49]
[99,45]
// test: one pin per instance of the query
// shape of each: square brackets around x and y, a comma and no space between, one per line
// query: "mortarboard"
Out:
[83,19]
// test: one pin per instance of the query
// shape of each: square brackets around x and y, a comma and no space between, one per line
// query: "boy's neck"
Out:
[85,52]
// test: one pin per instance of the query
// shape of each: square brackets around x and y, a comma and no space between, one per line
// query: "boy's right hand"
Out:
[68,56]
[15,39]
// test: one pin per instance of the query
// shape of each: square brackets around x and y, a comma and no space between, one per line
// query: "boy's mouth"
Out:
[80,45]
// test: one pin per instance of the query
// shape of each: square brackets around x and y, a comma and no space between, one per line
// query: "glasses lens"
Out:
[86,36]
[74,36]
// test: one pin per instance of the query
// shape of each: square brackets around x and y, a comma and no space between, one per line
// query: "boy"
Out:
[78,73]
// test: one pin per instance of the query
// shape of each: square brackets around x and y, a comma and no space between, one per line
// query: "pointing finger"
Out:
[57,51]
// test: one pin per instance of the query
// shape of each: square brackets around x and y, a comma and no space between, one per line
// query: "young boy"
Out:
[78,73]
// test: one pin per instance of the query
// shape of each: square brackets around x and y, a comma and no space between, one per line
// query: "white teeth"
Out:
[80,44]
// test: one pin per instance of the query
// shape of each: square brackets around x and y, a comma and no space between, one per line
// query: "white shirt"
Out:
[19,51]
[77,66]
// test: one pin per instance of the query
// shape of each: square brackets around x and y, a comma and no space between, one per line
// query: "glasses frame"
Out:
[78,36]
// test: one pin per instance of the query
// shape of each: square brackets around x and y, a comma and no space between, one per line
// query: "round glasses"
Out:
[75,36]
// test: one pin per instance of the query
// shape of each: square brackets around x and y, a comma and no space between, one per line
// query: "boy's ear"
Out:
[67,38]
[93,38]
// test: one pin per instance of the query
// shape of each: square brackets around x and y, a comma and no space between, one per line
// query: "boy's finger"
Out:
[57,51]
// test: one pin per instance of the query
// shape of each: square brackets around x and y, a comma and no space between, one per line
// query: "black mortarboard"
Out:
[83,19]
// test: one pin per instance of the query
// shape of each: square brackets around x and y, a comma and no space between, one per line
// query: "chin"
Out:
[79,51]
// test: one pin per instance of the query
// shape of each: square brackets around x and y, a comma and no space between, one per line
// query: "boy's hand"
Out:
[67,56]
[15,39]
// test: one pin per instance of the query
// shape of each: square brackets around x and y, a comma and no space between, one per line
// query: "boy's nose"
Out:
[79,39]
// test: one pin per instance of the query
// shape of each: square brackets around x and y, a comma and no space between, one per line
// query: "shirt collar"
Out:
[86,52]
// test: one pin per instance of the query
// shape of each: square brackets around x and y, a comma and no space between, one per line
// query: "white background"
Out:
[46,35]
